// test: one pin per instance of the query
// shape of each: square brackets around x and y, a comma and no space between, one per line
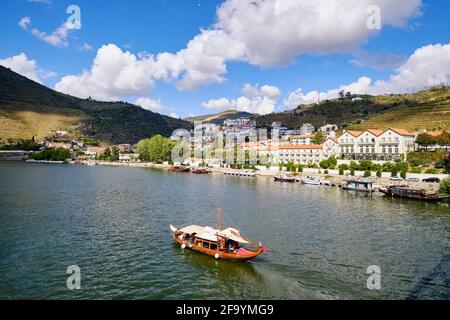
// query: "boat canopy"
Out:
[210,234]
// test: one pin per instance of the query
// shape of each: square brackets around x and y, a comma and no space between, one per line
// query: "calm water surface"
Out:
[113,224]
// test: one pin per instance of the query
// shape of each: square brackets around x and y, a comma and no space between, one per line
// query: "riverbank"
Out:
[332,176]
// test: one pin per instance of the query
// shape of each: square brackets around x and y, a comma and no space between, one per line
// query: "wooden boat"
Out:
[284,178]
[200,170]
[225,244]
[179,169]
[310,181]
[408,193]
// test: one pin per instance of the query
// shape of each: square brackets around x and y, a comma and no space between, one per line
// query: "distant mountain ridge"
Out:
[28,108]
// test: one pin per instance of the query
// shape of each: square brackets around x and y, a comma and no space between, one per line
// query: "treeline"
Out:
[19,144]
[426,140]
[51,154]
[156,149]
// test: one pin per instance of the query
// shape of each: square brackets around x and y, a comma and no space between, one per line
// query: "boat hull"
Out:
[416,196]
[212,253]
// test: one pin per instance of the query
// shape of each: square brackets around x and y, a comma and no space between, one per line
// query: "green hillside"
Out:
[28,108]
[220,117]
[428,109]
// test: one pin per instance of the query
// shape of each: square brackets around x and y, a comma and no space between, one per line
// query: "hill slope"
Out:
[220,117]
[427,109]
[28,108]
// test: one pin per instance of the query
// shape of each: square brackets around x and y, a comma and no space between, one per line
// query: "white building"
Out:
[298,154]
[302,139]
[307,128]
[388,145]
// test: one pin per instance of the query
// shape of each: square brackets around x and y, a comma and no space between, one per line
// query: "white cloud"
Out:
[86,47]
[113,74]
[270,33]
[57,38]
[255,100]
[25,22]
[427,66]
[274,32]
[149,104]
[26,67]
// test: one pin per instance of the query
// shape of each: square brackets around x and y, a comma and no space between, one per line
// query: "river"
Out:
[113,224]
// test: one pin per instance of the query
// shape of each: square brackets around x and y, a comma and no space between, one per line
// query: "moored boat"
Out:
[310,181]
[408,193]
[200,170]
[179,168]
[224,244]
[284,178]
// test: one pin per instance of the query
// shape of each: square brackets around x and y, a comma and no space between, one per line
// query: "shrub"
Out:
[341,171]
[379,173]
[343,167]
[352,173]
[403,174]
[445,186]
[394,172]
[325,172]
[432,171]
[365,165]
[415,170]
[354,166]
[367,173]
[387,167]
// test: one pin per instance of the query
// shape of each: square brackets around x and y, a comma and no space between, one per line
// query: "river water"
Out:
[113,224]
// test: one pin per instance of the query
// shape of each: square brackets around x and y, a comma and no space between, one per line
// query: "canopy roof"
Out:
[210,234]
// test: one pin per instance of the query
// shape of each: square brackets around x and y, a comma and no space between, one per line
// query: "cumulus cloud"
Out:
[26,67]
[426,67]
[149,104]
[266,33]
[274,32]
[261,100]
[113,74]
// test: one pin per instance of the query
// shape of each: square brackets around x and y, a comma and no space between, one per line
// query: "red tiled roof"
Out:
[305,146]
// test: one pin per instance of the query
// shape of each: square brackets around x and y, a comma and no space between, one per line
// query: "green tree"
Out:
[403,174]
[156,149]
[318,138]
[379,173]
[445,186]
[447,165]
[425,140]
[354,166]
[367,173]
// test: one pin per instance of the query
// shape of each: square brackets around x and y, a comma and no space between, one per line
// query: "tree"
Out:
[318,138]
[447,165]
[342,95]
[425,140]
[379,173]
[156,149]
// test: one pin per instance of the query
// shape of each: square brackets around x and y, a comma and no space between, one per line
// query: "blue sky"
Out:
[158,26]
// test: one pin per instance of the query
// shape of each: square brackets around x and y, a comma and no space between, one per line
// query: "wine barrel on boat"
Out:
[226,244]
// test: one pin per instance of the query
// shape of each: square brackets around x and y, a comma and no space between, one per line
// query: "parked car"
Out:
[396,179]
[432,180]
[413,180]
